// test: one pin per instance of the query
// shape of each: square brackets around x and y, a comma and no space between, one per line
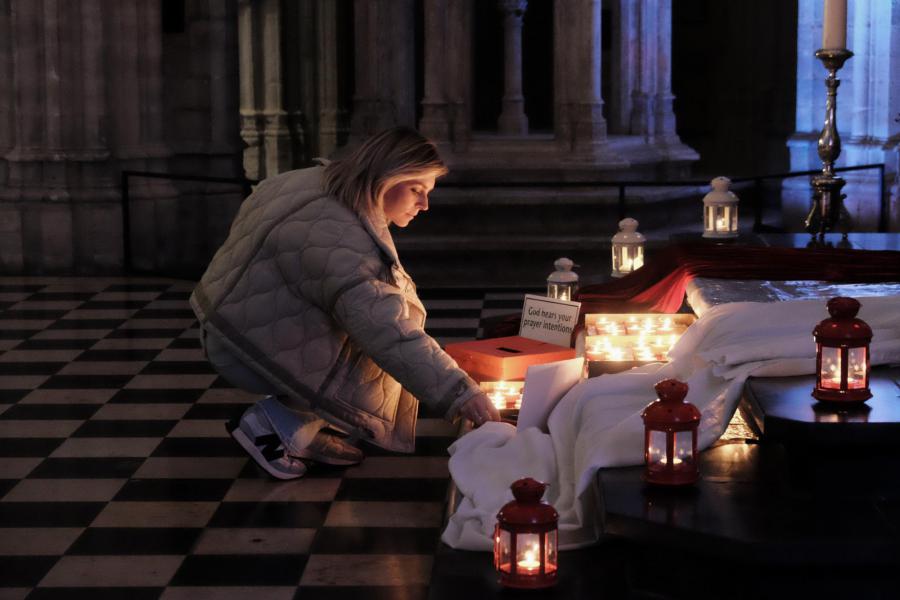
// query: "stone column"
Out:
[251,126]
[332,115]
[644,80]
[276,134]
[223,104]
[665,138]
[268,127]
[87,102]
[435,122]
[580,126]
[512,119]
[458,65]
[384,66]
[135,84]
[625,64]
[643,76]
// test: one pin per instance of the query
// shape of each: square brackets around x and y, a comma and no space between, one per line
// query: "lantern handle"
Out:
[843,307]
[528,490]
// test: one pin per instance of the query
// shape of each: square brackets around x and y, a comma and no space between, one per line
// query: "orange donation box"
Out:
[505,358]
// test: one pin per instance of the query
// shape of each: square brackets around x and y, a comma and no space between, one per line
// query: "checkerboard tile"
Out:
[118,479]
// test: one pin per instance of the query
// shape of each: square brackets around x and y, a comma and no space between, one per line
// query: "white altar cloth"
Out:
[597,423]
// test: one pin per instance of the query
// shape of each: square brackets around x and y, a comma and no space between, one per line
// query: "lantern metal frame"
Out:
[720,205]
[671,415]
[627,249]
[842,335]
[562,284]
[527,515]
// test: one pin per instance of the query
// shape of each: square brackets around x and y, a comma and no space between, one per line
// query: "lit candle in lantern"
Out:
[529,563]
[720,210]
[842,354]
[836,374]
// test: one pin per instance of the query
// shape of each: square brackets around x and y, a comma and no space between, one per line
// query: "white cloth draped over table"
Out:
[597,423]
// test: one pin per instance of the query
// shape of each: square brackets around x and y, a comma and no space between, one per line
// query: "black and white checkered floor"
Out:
[118,479]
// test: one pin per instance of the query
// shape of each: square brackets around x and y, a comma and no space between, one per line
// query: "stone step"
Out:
[450,261]
[568,212]
[511,235]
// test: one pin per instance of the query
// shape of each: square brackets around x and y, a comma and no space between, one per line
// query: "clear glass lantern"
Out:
[562,283]
[670,436]
[525,538]
[627,249]
[720,210]
[842,354]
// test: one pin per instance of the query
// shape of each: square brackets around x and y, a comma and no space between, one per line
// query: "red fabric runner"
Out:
[660,285]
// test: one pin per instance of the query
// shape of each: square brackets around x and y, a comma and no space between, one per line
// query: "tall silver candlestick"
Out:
[828,212]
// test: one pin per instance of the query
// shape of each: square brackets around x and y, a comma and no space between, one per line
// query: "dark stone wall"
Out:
[734,77]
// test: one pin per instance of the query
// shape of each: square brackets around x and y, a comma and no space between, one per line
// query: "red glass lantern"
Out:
[842,354]
[525,538]
[670,436]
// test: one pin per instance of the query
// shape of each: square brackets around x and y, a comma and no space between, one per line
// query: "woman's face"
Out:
[403,201]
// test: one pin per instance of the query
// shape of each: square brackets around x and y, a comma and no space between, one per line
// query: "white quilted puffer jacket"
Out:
[314,299]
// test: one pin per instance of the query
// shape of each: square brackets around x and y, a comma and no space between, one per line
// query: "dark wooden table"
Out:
[812,508]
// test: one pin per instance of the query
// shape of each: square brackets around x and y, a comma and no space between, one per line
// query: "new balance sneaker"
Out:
[331,450]
[256,435]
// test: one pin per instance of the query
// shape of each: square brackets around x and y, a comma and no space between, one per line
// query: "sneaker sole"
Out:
[247,444]
[328,460]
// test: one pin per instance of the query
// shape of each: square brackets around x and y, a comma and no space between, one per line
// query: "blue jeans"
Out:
[296,426]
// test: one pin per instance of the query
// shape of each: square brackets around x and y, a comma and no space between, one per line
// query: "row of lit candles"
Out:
[632,325]
[621,348]
[504,395]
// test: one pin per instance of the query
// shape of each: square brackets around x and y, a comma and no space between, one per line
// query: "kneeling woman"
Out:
[307,302]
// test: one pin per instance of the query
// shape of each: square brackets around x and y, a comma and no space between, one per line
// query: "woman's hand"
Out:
[479,409]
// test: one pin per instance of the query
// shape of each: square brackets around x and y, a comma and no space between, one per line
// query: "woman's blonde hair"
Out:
[360,179]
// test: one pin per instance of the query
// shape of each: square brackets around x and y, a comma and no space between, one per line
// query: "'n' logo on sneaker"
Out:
[269,446]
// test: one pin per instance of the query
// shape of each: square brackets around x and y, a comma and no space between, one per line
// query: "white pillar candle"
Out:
[834,29]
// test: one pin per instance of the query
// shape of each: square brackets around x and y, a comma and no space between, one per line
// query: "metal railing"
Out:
[758,204]
[621,186]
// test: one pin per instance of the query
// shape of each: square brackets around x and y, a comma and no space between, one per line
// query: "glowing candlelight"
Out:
[645,354]
[666,324]
[835,377]
[595,352]
[529,562]
[657,455]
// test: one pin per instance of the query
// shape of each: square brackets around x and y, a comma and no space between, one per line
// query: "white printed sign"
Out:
[549,320]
